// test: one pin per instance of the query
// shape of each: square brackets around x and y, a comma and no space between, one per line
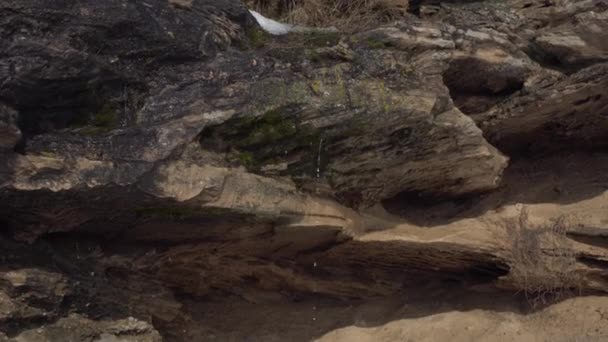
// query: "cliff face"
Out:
[157,157]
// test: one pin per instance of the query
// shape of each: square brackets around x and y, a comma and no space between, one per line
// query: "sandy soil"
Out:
[571,184]
[575,320]
[448,316]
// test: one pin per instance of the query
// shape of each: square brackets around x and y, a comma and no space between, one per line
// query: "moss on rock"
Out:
[255,39]
[277,136]
[100,122]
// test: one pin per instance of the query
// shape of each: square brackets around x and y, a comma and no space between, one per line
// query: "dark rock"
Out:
[555,114]
[78,328]
[9,132]
[30,295]
[156,153]
[71,63]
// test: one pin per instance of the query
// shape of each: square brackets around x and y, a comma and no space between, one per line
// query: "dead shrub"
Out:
[542,264]
[346,15]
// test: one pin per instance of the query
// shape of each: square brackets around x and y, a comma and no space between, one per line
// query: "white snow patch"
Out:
[276,28]
[271,26]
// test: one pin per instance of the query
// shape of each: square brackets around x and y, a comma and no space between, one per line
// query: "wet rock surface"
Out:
[162,161]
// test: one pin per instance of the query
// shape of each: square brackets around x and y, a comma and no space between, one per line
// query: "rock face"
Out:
[77,328]
[158,155]
[9,132]
[308,122]
[32,296]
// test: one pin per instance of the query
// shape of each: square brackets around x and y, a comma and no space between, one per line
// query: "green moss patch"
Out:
[296,46]
[103,121]
[255,38]
[107,117]
[373,43]
[316,38]
[275,137]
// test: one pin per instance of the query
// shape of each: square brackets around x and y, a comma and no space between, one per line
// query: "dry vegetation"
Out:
[542,264]
[347,15]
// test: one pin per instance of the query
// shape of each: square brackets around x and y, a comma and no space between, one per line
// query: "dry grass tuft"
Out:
[542,264]
[346,15]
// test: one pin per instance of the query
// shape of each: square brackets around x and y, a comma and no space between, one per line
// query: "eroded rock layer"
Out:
[165,156]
